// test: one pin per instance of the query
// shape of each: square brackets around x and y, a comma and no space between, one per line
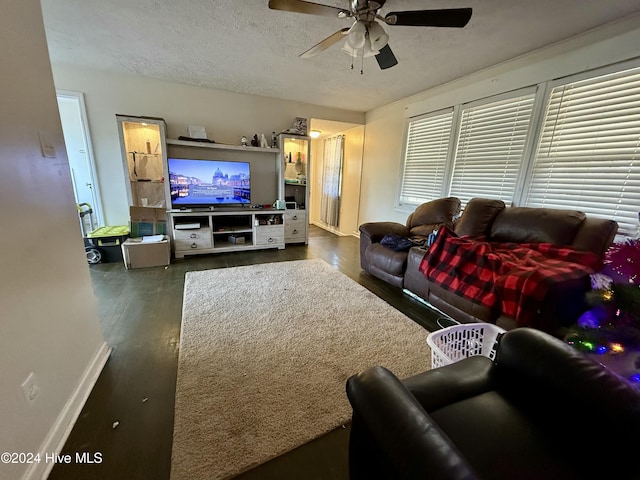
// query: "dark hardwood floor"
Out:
[140,314]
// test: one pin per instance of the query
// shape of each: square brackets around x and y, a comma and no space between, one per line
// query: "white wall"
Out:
[49,323]
[385,126]
[227,116]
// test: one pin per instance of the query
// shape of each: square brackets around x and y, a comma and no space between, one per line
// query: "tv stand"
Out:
[226,230]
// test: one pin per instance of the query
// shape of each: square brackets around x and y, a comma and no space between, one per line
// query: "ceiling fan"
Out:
[366,37]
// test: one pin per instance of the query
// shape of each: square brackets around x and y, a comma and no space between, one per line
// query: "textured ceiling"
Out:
[242,46]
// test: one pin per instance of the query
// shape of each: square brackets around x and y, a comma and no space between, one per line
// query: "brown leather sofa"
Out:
[389,265]
[541,410]
[492,220]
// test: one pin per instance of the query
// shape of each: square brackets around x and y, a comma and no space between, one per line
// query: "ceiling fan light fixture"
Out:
[377,36]
[356,35]
[350,51]
[368,50]
[365,51]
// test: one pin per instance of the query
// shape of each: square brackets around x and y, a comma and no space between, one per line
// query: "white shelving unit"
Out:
[228,229]
[142,141]
[295,165]
[220,146]
[198,232]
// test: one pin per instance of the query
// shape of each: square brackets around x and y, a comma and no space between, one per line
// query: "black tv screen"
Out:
[205,183]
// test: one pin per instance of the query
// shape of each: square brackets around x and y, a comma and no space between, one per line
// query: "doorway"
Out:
[350,174]
[75,129]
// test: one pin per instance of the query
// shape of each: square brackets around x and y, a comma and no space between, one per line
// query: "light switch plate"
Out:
[46,145]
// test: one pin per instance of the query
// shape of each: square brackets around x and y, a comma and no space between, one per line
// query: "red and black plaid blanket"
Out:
[517,276]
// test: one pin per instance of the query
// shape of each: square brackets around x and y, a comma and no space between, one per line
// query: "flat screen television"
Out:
[207,183]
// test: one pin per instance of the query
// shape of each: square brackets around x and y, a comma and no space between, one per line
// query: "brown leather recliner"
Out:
[389,265]
[541,410]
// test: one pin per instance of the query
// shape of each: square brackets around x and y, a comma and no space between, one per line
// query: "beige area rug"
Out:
[265,352]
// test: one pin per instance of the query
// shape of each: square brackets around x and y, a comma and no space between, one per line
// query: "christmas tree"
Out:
[612,324]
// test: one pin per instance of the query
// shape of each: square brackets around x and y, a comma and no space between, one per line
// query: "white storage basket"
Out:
[461,341]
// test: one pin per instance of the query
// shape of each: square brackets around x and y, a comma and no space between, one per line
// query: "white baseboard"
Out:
[57,436]
[326,227]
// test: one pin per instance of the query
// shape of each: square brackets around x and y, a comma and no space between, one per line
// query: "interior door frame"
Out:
[79,96]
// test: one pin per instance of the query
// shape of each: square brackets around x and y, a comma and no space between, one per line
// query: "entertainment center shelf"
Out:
[220,146]
[226,230]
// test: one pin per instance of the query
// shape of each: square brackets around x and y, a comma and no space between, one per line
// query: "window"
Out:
[426,154]
[487,158]
[588,153]
[584,156]
[491,144]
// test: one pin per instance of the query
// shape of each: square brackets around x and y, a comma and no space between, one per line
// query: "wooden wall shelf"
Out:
[221,146]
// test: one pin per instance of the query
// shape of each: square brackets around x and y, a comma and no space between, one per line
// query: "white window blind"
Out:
[490,147]
[588,156]
[425,161]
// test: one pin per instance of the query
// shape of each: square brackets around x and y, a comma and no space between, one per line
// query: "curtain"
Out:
[332,180]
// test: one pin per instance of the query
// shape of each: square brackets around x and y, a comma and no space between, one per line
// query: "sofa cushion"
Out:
[595,235]
[386,259]
[478,216]
[536,225]
[431,215]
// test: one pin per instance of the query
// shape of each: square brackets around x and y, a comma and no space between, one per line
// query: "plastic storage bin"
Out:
[104,244]
[461,341]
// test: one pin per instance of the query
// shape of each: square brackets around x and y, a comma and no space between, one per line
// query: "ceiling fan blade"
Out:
[386,58]
[299,6]
[324,44]
[450,17]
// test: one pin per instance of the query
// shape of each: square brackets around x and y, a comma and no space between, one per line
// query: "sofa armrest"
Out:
[373,232]
[391,432]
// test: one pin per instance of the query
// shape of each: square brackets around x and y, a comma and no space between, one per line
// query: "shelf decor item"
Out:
[290,171]
[197,131]
[299,165]
[300,125]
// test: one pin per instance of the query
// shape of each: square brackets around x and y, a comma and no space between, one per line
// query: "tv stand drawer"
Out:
[194,239]
[269,234]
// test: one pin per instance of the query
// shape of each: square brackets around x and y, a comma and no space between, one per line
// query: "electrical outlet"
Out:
[30,388]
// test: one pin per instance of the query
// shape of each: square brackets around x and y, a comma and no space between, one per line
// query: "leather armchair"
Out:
[541,410]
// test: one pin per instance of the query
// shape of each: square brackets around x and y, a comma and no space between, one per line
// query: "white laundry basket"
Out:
[461,341]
